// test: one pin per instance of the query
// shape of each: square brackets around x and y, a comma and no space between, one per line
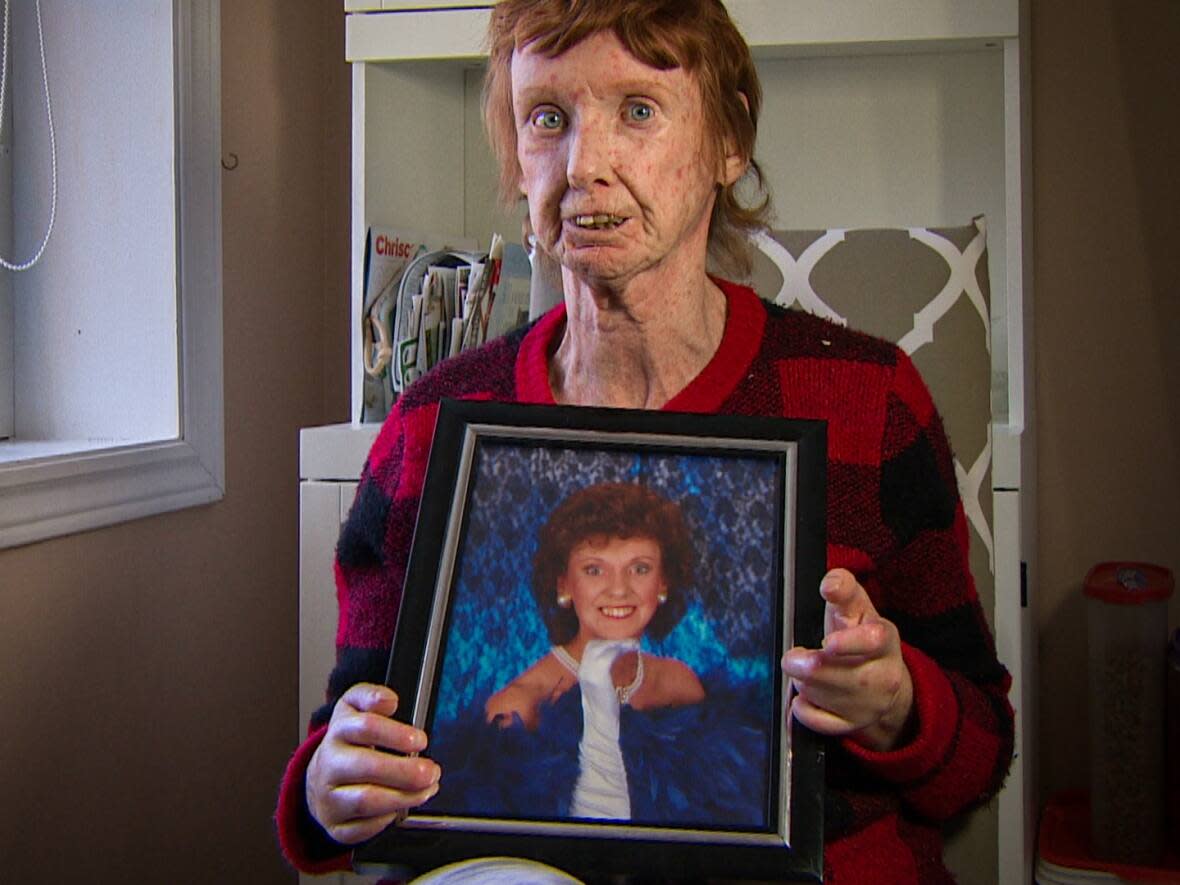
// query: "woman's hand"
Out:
[355,788]
[857,684]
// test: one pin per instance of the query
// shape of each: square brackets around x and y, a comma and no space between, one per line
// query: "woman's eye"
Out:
[548,118]
[640,112]
[642,568]
[592,570]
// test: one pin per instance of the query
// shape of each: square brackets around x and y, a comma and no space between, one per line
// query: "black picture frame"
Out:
[755,489]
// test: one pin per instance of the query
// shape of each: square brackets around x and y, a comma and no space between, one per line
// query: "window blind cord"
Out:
[52,143]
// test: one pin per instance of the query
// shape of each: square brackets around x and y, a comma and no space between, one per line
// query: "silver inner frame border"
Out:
[473,433]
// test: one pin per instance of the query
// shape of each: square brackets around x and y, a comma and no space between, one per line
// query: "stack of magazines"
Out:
[428,297]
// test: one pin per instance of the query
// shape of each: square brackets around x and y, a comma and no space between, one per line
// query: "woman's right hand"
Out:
[355,786]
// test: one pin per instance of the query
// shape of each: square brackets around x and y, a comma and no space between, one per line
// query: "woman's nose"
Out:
[590,150]
[617,583]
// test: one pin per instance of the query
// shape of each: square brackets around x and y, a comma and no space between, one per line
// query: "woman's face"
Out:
[615,586]
[614,160]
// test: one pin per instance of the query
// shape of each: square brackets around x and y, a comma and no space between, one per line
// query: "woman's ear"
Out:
[734,165]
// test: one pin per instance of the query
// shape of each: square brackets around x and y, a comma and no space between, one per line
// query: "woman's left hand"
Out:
[857,684]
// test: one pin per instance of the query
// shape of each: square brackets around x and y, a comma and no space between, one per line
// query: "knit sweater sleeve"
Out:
[963,744]
[371,558]
[370,564]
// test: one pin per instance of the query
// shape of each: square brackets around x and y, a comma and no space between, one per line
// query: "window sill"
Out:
[24,452]
[55,494]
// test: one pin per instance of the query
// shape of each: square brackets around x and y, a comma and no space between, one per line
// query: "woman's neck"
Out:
[576,647]
[638,346]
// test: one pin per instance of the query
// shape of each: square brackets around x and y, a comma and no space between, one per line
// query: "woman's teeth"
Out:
[597,222]
[619,612]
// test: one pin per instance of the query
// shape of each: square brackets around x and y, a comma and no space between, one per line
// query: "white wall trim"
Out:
[45,497]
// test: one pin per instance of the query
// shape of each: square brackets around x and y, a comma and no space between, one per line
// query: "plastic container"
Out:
[1065,857]
[1128,636]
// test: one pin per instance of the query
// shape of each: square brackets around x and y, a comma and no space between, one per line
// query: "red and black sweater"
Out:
[894,520]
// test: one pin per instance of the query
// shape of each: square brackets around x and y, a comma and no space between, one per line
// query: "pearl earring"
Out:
[662,598]
[563,600]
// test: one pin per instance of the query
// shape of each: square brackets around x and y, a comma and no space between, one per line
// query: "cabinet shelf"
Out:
[408,30]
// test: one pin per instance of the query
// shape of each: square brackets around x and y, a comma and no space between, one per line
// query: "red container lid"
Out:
[1064,849]
[1129,583]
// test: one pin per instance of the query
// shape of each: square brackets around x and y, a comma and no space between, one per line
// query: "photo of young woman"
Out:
[600,727]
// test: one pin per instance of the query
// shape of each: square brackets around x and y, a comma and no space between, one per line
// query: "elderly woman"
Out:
[627,126]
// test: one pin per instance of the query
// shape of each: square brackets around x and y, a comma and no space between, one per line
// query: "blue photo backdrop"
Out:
[731,503]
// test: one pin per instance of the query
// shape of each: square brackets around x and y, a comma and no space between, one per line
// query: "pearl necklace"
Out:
[624,692]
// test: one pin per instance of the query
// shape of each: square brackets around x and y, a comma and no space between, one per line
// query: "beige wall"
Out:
[1107,274]
[148,671]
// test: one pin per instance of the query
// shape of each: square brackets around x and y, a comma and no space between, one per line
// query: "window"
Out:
[116,333]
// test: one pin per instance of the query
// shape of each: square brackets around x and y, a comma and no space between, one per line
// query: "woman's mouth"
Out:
[597,221]
[618,612]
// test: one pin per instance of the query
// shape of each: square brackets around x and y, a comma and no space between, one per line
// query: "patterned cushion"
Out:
[927,290]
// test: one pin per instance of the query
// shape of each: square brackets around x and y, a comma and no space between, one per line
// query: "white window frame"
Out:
[47,495]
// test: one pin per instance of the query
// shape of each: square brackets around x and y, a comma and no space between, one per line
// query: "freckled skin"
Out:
[600,133]
[624,138]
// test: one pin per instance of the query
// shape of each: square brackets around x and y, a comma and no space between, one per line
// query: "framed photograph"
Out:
[595,608]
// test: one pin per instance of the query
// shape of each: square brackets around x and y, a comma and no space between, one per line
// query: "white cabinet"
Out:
[330,460]
[902,113]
